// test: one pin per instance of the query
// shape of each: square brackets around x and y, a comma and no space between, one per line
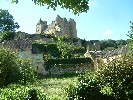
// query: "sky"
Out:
[105,19]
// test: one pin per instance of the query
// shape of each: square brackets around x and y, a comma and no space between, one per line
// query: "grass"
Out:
[48,88]
[55,87]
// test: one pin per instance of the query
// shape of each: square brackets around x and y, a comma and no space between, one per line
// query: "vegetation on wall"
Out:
[59,49]
[67,62]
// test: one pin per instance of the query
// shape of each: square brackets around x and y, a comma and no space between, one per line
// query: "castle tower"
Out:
[72,28]
[41,26]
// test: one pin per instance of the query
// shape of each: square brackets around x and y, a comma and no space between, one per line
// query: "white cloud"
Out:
[107,32]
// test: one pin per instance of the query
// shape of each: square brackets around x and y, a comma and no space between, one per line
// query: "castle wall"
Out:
[41,26]
[72,28]
[62,27]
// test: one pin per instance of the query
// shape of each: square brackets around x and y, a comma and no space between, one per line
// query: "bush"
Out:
[66,62]
[7,35]
[13,70]
[110,82]
[26,71]
[87,89]
[8,67]
[118,77]
[19,92]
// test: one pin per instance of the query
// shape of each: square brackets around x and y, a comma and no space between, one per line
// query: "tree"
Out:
[8,67]
[12,69]
[26,71]
[77,6]
[66,49]
[7,22]
[113,81]
[131,31]
[7,35]
[131,36]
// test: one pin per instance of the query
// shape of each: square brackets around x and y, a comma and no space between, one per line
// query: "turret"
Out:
[41,26]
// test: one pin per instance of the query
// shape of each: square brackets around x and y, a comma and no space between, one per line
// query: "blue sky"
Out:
[106,19]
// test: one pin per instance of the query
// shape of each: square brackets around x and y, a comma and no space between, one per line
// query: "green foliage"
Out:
[109,43]
[77,6]
[79,50]
[68,61]
[106,44]
[26,72]
[54,86]
[65,63]
[131,36]
[65,48]
[8,67]
[7,22]
[41,46]
[14,70]
[84,43]
[7,35]
[58,49]
[118,76]
[19,92]
[87,89]
[131,31]
[109,82]
[50,49]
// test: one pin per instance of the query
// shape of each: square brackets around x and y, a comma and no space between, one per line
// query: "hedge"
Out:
[68,61]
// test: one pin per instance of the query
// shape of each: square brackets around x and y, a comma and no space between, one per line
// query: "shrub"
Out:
[7,35]
[87,89]
[13,70]
[118,77]
[67,62]
[26,71]
[8,67]
[110,82]
[19,92]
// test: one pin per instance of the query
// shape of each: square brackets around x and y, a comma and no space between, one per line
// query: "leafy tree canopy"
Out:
[7,36]
[7,22]
[77,6]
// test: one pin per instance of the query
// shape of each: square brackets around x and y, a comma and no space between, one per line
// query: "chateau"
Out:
[22,43]
[59,27]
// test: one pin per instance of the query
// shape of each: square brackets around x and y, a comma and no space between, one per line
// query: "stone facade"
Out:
[41,26]
[59,27]
[23,47]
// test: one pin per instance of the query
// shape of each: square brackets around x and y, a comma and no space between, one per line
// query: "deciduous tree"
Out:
[77,6]
[7,22]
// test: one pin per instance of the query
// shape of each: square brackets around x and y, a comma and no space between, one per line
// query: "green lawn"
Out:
[55,87]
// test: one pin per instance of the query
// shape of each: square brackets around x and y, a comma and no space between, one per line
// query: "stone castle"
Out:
[59,27]
[22,42]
